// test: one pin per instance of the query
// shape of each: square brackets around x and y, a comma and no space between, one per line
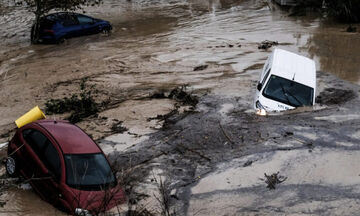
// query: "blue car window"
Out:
[70,21]
[85,20]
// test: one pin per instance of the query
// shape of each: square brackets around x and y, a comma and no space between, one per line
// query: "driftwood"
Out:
[273,179]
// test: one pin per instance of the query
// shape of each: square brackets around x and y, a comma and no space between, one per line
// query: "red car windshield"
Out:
[88,171]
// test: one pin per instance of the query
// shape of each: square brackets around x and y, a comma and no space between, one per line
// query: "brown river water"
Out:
[156,45]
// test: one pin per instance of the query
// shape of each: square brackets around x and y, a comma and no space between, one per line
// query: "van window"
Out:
[265,77]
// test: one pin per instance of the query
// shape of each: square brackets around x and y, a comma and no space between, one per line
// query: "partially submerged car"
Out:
[57,27]
[64,166]
[287,81]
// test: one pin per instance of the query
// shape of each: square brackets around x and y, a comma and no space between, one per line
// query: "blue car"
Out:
[57,27]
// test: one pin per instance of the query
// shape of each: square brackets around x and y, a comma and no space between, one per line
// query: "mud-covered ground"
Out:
[213,156]
[216,158]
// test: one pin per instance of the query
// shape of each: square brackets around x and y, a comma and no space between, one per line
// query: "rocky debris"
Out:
[201,67]
[288,133]
[158,95]
[181,95]
[117,127]
[273,179]
[164,117]
[332,96]
[248,163]
[2,204]
[351,29]
[266,44]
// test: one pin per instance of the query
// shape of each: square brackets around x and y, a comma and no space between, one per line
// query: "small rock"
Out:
[200,68]
[288,133]
[173,194]
[247,163]
[266,44]
[158,95]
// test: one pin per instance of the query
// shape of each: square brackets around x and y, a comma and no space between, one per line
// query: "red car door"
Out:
[32,141]
[42,162]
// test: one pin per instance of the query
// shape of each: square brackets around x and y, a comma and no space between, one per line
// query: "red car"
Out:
[64,166]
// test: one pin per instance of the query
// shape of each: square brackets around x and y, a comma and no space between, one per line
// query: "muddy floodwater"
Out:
[212,155]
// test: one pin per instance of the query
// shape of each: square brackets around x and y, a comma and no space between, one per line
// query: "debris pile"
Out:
[273,179]
[266,44]
[117,127]
[80,105]
[332,96]
[200,68]
[180,95]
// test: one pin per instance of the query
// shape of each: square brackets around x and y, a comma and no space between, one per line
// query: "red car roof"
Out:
[71,139]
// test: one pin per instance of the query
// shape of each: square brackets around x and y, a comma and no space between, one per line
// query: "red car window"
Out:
[44,149]
[35,139]
[52,160]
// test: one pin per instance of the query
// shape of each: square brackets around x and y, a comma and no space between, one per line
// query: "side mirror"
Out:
[259,86]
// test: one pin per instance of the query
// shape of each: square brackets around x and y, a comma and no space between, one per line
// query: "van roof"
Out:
[294,67]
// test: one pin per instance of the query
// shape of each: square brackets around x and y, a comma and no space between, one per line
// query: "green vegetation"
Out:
[80,105]
[344,10]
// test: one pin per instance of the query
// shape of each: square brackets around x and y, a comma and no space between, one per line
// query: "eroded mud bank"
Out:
[215,159]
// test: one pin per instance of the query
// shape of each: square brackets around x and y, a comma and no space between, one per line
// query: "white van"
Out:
[287,81]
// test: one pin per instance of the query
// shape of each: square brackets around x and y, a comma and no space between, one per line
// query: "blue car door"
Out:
[71,26]
[88,24]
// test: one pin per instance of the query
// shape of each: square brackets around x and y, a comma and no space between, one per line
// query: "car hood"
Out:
[96,201]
